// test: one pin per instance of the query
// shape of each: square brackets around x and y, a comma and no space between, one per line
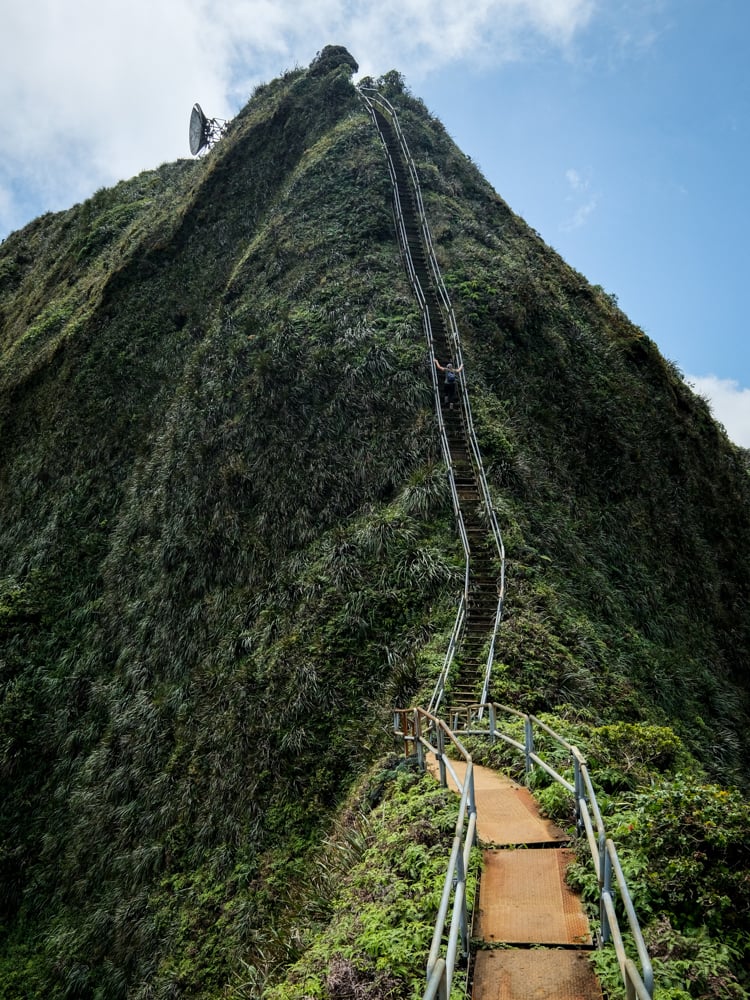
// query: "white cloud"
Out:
[92,93]
[576,182]
[95,92]
[424,35]
[729,402]
[581,202]
[581,215]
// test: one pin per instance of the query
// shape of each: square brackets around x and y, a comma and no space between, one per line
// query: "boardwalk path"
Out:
[531,936]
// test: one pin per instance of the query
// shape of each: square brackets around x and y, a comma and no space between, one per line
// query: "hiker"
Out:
[450,380]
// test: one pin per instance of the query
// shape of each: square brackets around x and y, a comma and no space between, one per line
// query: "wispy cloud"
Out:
[581,200]
[634,29]
[94,92]
[574,179]
[729,402]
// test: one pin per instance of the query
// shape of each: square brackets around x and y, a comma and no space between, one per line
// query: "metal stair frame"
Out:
[377,104]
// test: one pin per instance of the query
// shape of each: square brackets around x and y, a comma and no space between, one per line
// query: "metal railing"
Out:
[441,683]
[424,733]
[374,100]
[638,981]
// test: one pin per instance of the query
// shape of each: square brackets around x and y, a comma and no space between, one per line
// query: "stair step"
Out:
[482,597]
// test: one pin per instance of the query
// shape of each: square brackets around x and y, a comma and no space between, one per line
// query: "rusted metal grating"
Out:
[534,974]
[523,899]
[509,814]
[506,811]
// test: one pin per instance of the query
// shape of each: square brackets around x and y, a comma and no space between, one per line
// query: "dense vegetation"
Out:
[226,547]
[683,842]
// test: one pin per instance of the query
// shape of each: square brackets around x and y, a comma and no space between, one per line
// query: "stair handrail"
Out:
[441,683]
[465,403]
[444,298]
[639,982]
[371,98]
[424,733]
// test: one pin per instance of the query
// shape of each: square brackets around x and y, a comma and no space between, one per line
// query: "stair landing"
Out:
[507,813]
[524,900]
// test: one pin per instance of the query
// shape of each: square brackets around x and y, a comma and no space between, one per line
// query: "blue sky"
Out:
[618,129]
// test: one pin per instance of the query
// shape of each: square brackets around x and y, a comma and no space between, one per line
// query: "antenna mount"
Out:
[204,132]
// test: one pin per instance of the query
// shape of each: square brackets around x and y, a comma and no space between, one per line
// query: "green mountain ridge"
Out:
[227,547]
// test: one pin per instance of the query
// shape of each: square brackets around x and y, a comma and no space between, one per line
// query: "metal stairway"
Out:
[529,937]
[532,934]
[465,678]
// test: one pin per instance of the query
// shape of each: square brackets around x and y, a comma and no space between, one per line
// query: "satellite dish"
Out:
[198,122]
[204,132]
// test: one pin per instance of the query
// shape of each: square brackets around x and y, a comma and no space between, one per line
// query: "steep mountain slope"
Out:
[630,503]
[226,547]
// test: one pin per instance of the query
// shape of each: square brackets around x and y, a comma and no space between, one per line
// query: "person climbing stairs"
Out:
[482,604]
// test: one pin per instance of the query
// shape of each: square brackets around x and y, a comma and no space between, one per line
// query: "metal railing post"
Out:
[459,879]
[606,890]
[418,741]
[439,753]
[401,729]
[443,989]
[492,712]
[578,782]
[528,744]
[472,795]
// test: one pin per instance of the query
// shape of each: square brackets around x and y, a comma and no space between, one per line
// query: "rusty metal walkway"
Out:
[531,936]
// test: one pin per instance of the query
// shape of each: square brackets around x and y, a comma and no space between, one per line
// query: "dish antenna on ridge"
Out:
[204,132]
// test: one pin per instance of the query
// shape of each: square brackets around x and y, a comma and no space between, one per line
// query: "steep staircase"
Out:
[531,937]
[483,590]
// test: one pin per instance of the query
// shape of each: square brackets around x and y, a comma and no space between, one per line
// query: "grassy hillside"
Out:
[226,544]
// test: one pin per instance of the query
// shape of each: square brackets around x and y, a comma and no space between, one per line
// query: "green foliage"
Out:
[555,803]
[626,755]
[18,606]
[105,227]
[385,893]
[194,680]
[696,839]
[23,969]
[685,966]
[693,964]
[683,846]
